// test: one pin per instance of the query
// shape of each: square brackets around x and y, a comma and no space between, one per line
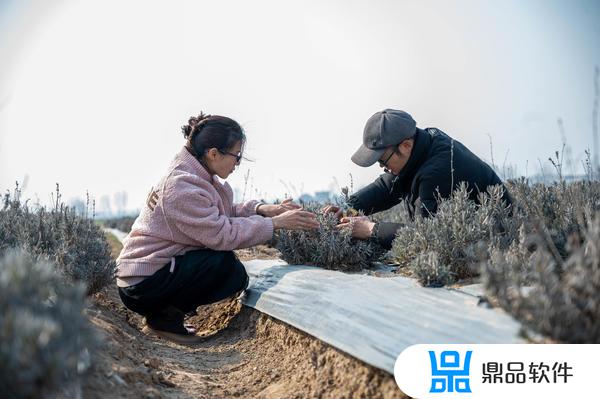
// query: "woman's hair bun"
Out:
[193,123]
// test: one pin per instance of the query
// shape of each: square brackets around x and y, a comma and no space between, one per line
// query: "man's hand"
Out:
[361,226]
[270,211]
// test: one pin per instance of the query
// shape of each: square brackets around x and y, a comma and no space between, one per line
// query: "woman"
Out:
[179,254]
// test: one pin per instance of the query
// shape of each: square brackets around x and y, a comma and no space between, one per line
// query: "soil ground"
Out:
[245,354]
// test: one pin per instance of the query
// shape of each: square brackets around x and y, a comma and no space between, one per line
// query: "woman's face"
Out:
[223,163]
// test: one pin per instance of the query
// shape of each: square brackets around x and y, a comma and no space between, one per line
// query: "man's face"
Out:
[395,158]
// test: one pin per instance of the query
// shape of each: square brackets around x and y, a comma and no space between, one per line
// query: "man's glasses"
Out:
[384,163]
[238,157]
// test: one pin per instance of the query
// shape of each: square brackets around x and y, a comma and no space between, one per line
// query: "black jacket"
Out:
[428,170]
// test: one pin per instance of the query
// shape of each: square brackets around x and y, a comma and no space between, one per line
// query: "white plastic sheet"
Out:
[373,318]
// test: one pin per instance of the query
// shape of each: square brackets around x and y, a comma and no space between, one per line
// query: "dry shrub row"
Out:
[462,232]
[73,242]
[549,277]
[550,295]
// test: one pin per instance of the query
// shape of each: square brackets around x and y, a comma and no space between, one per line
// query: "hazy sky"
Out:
[93,94]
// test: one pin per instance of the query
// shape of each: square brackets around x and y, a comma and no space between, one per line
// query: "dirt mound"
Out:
[245,354]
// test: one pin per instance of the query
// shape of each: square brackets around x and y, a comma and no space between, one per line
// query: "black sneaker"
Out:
[168,324]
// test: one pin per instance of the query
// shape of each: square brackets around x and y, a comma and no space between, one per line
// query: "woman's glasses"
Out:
[238,157]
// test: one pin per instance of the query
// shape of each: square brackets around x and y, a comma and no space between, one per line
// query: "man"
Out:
[419,166]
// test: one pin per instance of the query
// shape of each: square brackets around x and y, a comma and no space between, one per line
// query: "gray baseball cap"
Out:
[384,129]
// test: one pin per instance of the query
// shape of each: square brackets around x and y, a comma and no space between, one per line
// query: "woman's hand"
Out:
[361,226]
[268,210]
[296,219]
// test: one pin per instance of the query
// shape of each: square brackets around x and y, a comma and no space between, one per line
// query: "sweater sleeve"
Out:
[191,213]
[245,209]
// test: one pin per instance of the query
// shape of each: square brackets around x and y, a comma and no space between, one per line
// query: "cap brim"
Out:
[366,157]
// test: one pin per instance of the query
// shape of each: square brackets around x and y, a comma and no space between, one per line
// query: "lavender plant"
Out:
[45,338]
[556,210]
[326,247]
[74,243]
[555,297]
[442,249]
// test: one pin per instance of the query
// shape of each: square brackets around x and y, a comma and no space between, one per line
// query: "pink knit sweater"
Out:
[188,209]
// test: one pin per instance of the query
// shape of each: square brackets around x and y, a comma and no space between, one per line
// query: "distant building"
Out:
[323,196]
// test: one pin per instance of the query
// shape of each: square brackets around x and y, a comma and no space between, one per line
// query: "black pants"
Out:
[200,277]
